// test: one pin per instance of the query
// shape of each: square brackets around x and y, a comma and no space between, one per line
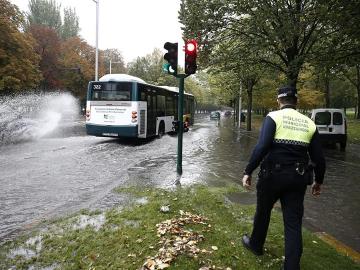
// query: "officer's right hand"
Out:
[246,181]
[316,189]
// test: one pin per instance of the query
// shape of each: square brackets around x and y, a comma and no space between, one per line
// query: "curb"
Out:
[339,246]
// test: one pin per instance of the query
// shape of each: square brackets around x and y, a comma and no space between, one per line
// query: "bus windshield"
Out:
[111,91]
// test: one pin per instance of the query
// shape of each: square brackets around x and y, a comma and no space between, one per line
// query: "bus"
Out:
[120,105]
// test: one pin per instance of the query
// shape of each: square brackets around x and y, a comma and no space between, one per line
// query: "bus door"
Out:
[151,113]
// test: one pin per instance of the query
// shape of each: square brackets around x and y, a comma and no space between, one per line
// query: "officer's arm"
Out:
[263,145]
[317,157]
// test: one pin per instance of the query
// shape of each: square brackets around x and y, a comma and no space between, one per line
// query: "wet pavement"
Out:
[64,171]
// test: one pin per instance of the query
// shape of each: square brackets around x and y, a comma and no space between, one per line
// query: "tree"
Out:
[117,60]
[18,61]
[70,28]
[45,13]
[149,68]
[48,47]
[282,34]
[352,73]
[76,68]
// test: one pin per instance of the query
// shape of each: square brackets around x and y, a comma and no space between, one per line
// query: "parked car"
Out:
[214,115]
[331,125]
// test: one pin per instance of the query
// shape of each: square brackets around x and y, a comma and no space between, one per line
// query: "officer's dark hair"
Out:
[291,100]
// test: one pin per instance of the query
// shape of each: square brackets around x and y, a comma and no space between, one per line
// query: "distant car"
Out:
[331,125]
[227,113]
[214,115]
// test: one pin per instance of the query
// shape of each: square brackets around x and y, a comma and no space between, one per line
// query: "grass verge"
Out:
[353,129]
[126,239]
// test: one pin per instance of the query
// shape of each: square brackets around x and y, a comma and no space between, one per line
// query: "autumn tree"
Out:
[18,61]
[76,68]
[48,47]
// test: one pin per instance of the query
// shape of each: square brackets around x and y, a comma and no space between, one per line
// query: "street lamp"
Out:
[97,39]
[113,63]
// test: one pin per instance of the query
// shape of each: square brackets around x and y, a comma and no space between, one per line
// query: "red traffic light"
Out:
[190,56]
[190,46]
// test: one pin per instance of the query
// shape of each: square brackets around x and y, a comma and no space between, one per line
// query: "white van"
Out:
[331,124]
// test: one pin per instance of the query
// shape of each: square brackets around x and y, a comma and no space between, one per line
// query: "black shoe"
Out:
[246,243]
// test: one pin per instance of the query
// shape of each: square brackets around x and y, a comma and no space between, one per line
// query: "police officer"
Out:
[287,140]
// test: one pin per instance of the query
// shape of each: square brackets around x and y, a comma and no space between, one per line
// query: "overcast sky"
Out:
[135,27]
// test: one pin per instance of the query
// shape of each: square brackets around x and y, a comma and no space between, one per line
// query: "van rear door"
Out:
[323,121]
[338,123]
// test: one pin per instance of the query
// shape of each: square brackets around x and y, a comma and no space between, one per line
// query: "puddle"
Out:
[31,248]
[83,221]
[35,241]
[245,198]
[132,223]
[23,252]
[141,201]
[51,267]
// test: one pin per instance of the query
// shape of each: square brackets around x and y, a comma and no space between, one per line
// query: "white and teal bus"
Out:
[120,105]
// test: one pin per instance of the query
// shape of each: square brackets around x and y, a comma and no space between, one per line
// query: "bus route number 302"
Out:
[96,86]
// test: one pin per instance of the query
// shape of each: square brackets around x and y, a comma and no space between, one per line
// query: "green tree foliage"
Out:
[282,33]
[70,28]
[46,13]
[149,68]
[18,61]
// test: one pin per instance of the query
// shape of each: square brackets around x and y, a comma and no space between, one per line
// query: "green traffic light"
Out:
[167,68]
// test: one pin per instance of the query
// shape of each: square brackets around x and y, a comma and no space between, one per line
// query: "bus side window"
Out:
[170,105]
[160,106]
[186,105]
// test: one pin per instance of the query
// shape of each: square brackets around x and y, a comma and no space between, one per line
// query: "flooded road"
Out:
[63,170]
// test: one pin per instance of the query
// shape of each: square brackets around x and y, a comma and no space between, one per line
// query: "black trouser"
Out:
[288,186]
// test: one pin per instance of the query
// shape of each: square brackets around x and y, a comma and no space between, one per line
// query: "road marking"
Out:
[339,246]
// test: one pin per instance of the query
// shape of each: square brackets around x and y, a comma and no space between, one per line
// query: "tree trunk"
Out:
[327,87]
[235,111]
[250,85]
[358,90]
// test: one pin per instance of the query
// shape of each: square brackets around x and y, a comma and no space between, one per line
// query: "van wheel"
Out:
[161,129]
[342,146]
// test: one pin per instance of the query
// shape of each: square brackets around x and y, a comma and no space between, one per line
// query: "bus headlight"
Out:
[133,116]
[87,114]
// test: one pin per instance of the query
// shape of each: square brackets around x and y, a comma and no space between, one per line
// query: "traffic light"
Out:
[190,56]
[172,57]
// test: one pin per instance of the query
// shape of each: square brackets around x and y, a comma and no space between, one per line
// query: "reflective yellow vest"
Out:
[292,127]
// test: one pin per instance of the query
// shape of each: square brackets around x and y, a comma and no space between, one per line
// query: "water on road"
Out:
[49,167]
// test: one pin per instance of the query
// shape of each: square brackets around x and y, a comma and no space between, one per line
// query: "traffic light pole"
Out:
[190,68]
[181,78]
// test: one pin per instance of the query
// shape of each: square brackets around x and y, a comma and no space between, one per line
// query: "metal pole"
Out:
[181,123]
[97,40]
[240,94]
[110,66]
